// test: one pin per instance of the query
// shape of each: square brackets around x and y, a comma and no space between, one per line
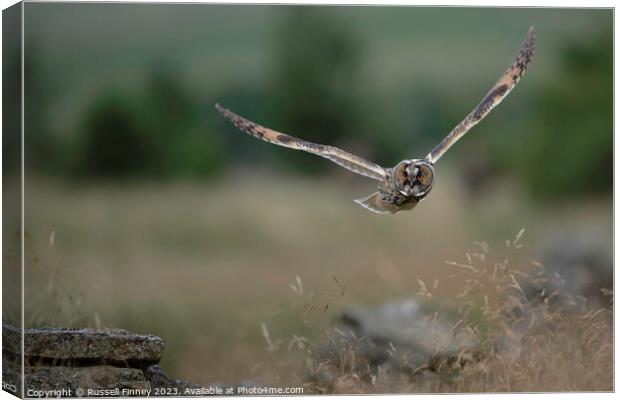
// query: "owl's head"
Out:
[414,178]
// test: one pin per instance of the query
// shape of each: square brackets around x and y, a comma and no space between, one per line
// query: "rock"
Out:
[584,261]
[112,345]
[96,377]
[11,375]
[97,359]
[398,335]
[398,341]
[158,379]
[407,326]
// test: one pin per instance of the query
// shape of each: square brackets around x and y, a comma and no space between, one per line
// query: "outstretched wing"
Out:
[498,92]
[340,157]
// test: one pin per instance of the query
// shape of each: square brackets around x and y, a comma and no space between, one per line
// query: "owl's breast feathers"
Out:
[392,199]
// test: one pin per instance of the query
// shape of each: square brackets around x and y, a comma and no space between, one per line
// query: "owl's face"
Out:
[414,178]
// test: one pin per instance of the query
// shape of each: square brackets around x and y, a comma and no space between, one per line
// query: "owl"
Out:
[403,186]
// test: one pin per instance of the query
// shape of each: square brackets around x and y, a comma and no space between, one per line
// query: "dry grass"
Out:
[527,338]
[202,266]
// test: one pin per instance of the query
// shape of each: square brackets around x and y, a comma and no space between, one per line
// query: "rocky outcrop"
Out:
[63,344]
[584,261]
[398,337]
[402,330]
[76,360]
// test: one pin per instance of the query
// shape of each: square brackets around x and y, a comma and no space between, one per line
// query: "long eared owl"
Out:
[404,185]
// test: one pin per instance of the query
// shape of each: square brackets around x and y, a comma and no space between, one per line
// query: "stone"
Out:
[158,379]
[400,334]
[112,345]
[100,362]
[584,261]
[95,377]
[108,362]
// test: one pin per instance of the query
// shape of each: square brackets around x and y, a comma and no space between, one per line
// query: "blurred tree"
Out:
[177,122]
[570,151]
[316,67]
[158,134]
[315,63]
[116,141]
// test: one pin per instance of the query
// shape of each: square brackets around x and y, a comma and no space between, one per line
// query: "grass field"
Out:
[204,264]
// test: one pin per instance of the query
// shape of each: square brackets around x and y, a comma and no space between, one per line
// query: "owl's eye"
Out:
[421,180]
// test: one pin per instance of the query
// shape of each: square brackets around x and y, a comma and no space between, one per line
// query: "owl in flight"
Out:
[410,181]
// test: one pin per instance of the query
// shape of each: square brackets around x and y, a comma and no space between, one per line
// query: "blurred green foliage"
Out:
[158,134]
[316,57]
[142,106]
[116,142]
[574,119]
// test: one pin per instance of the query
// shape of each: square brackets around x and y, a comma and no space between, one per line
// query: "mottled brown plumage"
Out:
[498,92]
[405,185]
[347,160]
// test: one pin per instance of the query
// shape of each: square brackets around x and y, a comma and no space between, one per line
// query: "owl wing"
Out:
[375,203]
[347,160]
[498,92]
